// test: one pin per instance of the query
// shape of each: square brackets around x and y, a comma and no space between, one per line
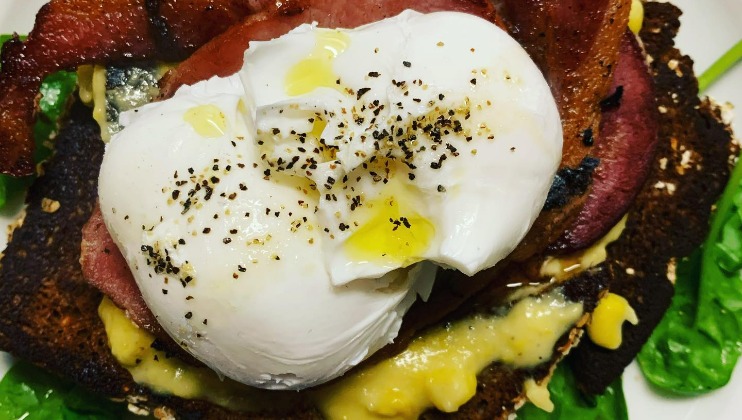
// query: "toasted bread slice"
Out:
[669,218]
[48,314]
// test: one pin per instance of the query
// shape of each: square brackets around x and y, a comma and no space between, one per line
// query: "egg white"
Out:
[251,264]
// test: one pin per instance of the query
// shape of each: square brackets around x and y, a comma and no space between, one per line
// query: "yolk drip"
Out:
[392,234]
[207,120]
[607,321]
[316,70]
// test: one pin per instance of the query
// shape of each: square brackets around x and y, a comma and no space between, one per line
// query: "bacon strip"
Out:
[575,43]
[625,147]
[230,46]
[68,33]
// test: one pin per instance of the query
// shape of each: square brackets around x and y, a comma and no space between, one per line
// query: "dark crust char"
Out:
[68,33]
[662,226]
[179,27]
[500,387]
[51,297]
[576,45]
[48,314]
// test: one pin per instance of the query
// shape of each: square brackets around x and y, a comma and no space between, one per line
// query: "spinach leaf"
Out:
[56,90]
[570,403]
[696,345]
[29,392]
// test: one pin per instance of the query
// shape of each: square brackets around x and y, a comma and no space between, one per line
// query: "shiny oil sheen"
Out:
[381,240]
[316,70]
[207,120]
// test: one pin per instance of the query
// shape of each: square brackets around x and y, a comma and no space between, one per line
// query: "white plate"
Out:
[709,29]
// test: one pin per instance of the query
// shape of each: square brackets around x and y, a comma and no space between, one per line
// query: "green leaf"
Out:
[698,342]
[725,63]
[570,403]
[56,90]
[29,392]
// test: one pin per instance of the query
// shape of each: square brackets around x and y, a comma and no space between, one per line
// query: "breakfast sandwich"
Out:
[416,217]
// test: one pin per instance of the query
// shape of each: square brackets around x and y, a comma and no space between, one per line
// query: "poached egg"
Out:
[281,221]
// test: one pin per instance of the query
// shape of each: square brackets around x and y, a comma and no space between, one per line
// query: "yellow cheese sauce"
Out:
[612,310]
[92,91]
[538,395]
[607,321]
[567,266]
[439,370]
[636,16]
[131,346]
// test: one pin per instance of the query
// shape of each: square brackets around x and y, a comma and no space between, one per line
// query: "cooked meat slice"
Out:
[625,148]
[104,267]
[230,46]
[669,218]
[575,42]
[179,27]
[68,33]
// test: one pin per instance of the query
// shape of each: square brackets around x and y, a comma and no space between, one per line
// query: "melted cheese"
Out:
[439,369]
[562,268]
[132,348]
[607,321]
[92,91]
[636,16]
[539,395]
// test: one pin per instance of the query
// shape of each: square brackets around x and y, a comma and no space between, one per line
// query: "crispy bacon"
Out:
[575,43]
[68,33]
[230,46]
[181,26]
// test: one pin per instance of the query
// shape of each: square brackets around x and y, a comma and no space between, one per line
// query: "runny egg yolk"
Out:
[207,120]
[316,70]
[394,233]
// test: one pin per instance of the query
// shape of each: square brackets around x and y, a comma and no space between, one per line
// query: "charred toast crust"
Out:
[45,314]
[669,219]
[48,314]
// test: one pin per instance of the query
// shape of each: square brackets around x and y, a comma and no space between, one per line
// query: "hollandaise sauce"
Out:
[438,370]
